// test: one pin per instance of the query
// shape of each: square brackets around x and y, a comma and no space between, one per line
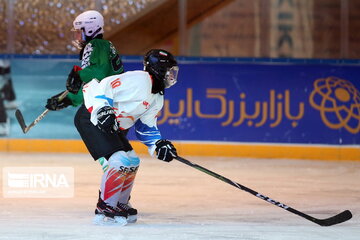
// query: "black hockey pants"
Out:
[98,143]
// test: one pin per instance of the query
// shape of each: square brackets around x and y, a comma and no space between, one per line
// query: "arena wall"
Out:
[261,108]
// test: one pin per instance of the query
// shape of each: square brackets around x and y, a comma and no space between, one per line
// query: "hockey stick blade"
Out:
[339,218]
[20,120]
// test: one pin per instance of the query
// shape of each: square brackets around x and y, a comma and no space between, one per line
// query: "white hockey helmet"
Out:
[87,25]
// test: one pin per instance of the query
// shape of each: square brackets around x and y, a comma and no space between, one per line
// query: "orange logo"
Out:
[338,102]
[115,83]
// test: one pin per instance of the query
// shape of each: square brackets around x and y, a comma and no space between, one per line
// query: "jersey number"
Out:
[116,63]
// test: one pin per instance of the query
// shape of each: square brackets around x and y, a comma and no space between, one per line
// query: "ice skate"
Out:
[105,214]
[127,208]
[132,212]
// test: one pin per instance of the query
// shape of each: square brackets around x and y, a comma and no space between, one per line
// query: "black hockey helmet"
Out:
[162,66]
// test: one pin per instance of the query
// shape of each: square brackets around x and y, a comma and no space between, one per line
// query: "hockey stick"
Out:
[339,218]
[20,117]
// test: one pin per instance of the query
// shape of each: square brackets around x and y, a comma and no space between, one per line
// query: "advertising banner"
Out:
[264,103]
[219,101]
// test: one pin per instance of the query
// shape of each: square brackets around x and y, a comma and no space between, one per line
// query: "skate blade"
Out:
[132,219]
[100,219]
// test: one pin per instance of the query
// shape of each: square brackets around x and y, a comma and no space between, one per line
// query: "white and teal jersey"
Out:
[129,94]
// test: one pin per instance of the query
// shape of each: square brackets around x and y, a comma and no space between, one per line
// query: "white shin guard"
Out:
[118,179]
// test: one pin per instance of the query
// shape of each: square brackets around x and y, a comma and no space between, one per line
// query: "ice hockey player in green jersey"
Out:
[99,59]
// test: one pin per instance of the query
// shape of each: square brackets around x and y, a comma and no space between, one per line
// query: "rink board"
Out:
[219,107]
[315,152]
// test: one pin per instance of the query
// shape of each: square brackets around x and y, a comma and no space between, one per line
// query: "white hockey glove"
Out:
[106,120]
[165,150]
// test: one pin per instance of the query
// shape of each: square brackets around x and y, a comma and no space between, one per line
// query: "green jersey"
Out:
[100,59]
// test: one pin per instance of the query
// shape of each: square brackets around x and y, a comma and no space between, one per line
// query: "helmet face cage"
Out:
[78,38]
[163,66]
[171,76]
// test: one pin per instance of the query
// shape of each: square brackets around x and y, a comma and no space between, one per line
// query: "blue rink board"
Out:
[219,100]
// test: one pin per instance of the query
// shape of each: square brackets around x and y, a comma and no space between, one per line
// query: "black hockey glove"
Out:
[73,82]
[106,120]
[54,104]
[165,150]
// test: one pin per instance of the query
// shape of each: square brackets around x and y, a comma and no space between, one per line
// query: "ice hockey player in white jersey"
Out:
[117,103]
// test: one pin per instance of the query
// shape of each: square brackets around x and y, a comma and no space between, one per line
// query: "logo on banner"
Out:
[338,102]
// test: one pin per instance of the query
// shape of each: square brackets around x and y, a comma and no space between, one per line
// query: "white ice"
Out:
[178,202]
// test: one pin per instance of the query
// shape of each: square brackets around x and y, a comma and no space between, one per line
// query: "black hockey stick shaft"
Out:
[20,117]
[339,218]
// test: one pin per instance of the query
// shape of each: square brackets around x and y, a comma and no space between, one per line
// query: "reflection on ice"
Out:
[178,202]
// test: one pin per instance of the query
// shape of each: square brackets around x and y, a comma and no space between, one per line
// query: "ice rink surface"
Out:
[178,202]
